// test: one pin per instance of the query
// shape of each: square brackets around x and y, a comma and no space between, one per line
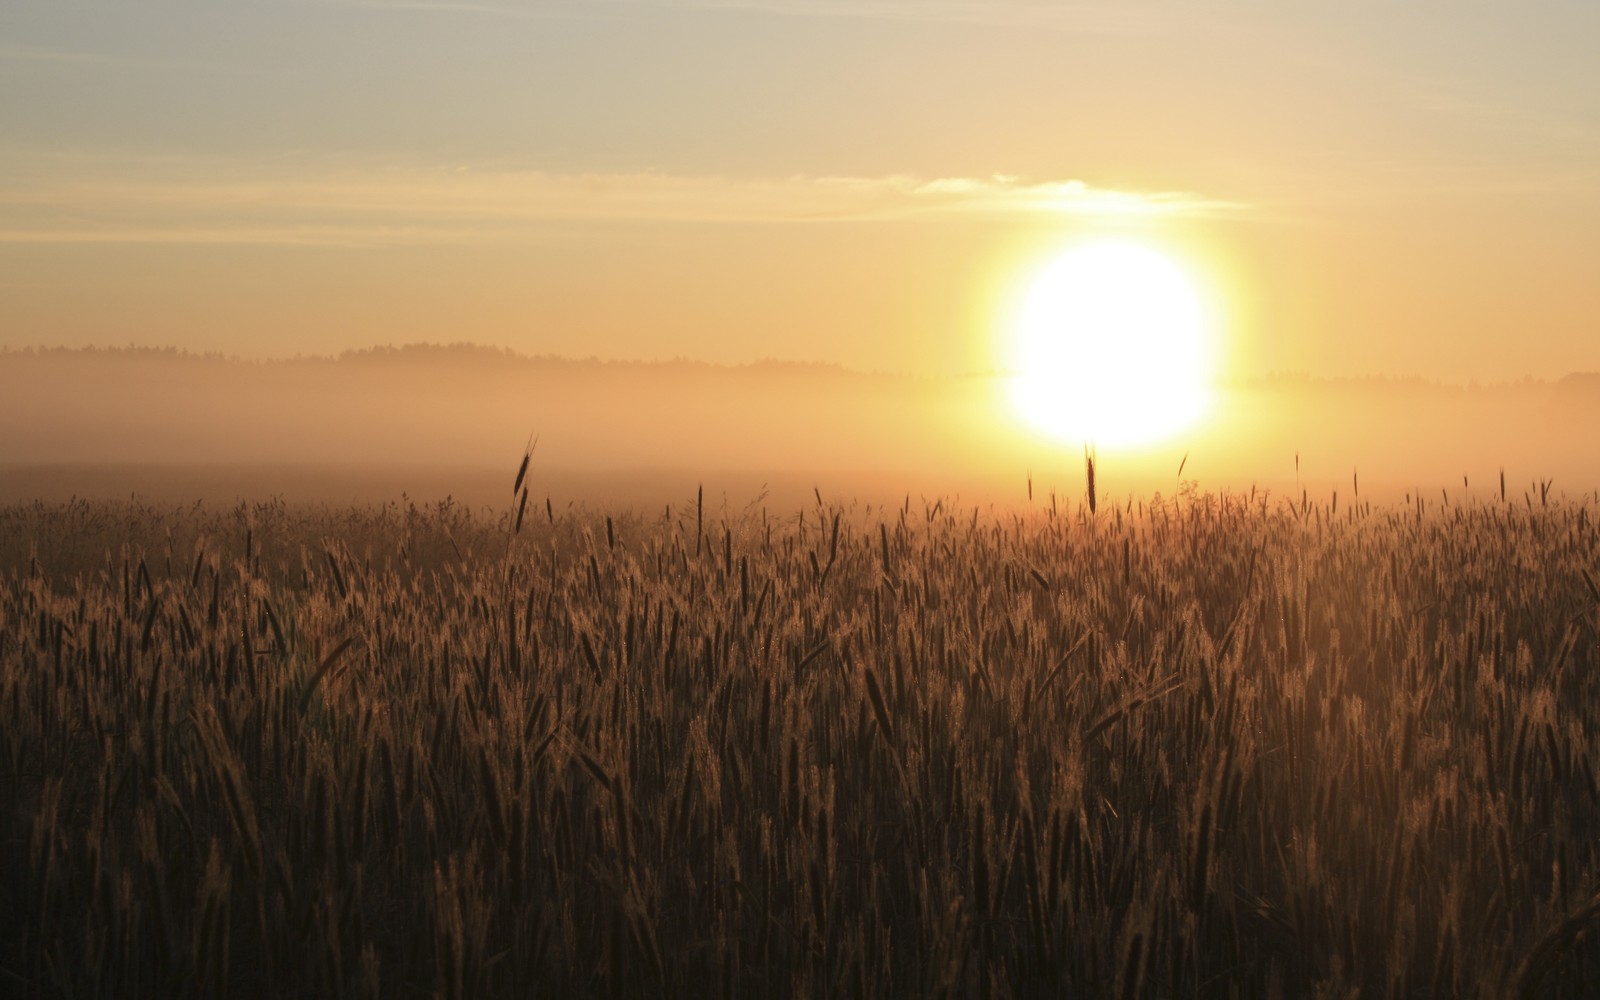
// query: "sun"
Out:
[1111,347]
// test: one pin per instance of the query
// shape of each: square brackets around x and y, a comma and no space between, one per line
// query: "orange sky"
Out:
[1374,190]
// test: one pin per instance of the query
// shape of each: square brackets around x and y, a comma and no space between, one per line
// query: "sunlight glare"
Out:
[1111,347]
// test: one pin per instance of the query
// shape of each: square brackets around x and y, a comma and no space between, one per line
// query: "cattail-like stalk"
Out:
[1088,465]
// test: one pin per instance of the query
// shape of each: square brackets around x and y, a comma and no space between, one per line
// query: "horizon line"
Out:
[466,348]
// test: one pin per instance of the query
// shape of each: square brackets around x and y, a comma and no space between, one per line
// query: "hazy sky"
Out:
[1370,187]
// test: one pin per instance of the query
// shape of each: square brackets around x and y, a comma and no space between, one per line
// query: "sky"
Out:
[1365,188]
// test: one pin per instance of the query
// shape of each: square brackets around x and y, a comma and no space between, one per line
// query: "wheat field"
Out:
[1217,746]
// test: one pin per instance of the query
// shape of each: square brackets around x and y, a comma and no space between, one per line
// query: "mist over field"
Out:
[430,421]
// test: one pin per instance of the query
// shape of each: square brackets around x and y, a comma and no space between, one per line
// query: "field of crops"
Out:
[1229,746]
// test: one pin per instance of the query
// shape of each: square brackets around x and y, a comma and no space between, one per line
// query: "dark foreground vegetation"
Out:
[1231,747]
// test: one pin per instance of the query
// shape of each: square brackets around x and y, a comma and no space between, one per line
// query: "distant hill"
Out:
[459,355]
[468,355]
[468,406]
[1581,382]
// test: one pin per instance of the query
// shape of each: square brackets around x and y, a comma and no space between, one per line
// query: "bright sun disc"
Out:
[1111,347]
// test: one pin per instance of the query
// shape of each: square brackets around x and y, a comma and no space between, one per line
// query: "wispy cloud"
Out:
[179,234]
[79,59]
[1098,16]
[74,57]
[385,206]
[29,53]
[1089,16]
[541,11]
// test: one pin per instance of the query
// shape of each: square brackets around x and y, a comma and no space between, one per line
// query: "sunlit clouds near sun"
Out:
[179,201]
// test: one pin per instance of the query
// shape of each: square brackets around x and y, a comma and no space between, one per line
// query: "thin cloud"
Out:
[560,11]
[243,235]
[85,58]
[1081,16]
[77,57]
[1098,17]
[420,206]
[27,53]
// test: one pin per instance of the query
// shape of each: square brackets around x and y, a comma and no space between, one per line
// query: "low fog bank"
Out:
[430,422]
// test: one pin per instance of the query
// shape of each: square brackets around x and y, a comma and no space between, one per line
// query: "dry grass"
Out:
[1232,749]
